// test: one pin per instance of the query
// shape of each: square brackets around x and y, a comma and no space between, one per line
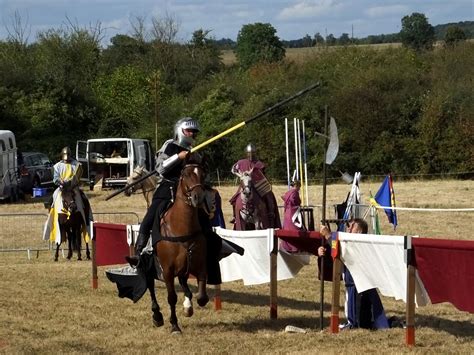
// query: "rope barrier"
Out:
[427,209]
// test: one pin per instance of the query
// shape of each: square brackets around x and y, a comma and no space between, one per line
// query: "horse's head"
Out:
[69,202]
[192,184]
[246,185]
[136,174]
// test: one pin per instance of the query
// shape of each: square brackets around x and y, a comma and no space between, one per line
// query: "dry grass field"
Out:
[49,307]
[299,55]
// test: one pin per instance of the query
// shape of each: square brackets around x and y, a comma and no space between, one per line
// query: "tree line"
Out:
[406,110]
[443,32]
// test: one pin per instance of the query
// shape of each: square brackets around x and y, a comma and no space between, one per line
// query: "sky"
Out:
[224,18]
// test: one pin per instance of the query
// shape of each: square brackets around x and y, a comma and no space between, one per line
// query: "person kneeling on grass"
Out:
[364,309]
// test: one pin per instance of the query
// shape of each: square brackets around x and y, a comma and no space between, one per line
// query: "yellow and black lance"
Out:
[226,132]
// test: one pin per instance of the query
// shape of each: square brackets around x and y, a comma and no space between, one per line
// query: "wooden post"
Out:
[336,289]
[217,298]
[273,278]
[95,279]
[410,311]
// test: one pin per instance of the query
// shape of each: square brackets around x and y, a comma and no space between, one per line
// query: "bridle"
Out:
[187,190]
[69,203]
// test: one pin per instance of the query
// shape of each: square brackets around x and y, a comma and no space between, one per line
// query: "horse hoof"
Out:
[158,320]
[176,331]
[188,311]
[203,301]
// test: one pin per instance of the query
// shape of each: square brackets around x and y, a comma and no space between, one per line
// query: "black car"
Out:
[36,170]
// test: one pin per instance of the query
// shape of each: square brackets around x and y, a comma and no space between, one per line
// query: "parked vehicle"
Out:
[36,170]
[108,162]
[8,166]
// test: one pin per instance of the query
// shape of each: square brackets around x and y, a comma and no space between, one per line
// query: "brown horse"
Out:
[71,223]
[147,186]
[181,249]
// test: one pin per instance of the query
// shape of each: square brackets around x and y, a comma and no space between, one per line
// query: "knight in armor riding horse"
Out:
[171,158]
[256,168]
[67,175]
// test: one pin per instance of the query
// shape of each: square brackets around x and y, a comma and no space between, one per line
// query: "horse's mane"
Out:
[194,158]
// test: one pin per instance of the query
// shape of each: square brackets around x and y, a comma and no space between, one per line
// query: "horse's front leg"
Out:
[56,254]
[188,296]
[88,253]
[172,300]
[155,307]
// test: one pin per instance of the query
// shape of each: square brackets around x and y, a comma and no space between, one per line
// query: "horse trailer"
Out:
[8,166]
[108,162]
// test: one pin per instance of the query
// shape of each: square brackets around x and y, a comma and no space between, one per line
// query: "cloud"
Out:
[310,8]
[384,11]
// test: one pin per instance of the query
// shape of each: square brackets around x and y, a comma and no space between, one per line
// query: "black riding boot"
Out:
[140,244]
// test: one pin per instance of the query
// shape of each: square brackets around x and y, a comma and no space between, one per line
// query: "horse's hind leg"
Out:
[202,297]
[155,307]
[188,296]
[78,239]
[70,245]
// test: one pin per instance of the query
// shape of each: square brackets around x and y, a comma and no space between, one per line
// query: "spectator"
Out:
[364,309]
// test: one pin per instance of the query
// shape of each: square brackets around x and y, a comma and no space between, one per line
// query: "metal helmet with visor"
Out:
[66,154]
[251,151]
[183,139]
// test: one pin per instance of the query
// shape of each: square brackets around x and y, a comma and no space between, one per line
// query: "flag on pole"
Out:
[385,197]
[374,216]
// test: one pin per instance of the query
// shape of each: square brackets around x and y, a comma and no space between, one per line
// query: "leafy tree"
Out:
[124,50]
[454,35]
[318,40]
[344,39]
[331,40]
[258,43]
[123,98]
[214,113]
[307,41]
[417,33]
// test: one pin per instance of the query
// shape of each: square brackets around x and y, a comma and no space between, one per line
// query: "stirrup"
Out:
[133,260]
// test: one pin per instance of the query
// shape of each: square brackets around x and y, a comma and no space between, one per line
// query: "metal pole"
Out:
[323,220]
[287,153]
[300,160]
[305,164]
[296,150]
[156,111]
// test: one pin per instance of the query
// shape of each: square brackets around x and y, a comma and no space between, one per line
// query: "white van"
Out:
[8,166]
[107,162]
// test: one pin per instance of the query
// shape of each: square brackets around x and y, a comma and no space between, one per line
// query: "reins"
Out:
[186,198]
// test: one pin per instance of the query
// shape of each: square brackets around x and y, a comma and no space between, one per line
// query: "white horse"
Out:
[147,186]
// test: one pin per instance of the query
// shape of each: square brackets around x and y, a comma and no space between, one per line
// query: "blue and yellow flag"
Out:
[385,197]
